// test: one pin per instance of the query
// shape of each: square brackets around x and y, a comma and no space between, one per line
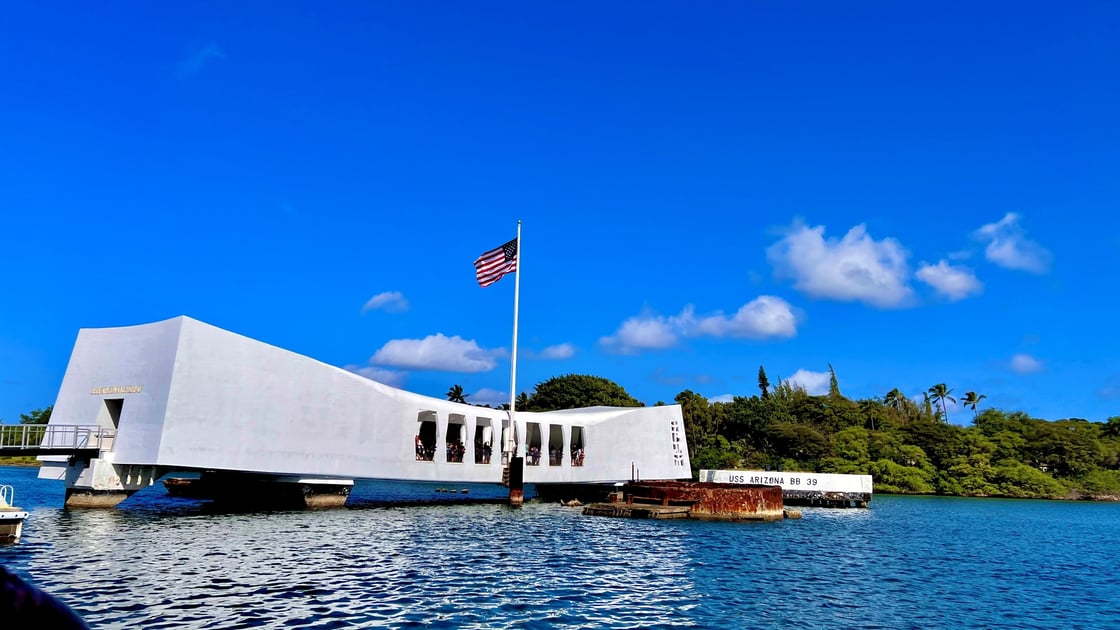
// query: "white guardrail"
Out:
[31,437]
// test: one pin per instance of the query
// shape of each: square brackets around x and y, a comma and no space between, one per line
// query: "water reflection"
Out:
[159,563]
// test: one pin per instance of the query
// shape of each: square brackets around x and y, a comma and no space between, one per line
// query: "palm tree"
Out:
[896,400]
[455,394]
[939,393]
[970,399]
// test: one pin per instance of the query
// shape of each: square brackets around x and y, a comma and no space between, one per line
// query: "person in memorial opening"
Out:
[24,606]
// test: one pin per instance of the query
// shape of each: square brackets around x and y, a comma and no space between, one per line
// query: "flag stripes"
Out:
[493,264]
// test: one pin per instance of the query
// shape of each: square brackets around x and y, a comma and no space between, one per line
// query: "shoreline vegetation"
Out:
[908,447]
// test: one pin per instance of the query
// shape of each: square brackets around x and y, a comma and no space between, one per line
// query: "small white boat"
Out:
[11,517]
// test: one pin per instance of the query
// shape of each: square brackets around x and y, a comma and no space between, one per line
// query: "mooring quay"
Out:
[255,420]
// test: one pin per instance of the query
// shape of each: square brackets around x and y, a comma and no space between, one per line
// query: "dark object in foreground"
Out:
[24,606]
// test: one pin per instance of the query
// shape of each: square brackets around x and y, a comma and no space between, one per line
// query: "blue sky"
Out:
[915,194]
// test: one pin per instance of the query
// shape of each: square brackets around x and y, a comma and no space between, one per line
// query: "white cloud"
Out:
[557,352]
[815,383]
[392,378]
[487,396]
[1025,364]
[722,398]
[854,268]
[765,316]
[1009,247]
[388,301]
[437,352]
[642,332]
[955,282]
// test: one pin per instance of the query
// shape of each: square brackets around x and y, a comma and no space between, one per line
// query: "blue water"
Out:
[907,562]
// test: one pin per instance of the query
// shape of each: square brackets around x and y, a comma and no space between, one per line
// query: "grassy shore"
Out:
[19,461]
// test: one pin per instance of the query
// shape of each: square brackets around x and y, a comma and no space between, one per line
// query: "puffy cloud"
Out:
[487,396]
[722,398]
[1009,247]
[389,301]
[854,268]
[392,378]
[557,352]
[954,282]
[765,316]
[437,352]
[815,383]
[1025,364]
[642,332]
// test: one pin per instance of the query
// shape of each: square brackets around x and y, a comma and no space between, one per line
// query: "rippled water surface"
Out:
[160,562]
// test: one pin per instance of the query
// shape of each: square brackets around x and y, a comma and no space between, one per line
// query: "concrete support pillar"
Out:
[79,498]
[326,495]
[517,481]
[98,482]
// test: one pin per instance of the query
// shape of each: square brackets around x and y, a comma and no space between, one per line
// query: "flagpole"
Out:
[513,355]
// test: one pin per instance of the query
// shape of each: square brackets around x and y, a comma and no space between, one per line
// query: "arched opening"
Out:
[456,437]
[426,436]
[533,442]
[483,440]
[577,446]
[555,445]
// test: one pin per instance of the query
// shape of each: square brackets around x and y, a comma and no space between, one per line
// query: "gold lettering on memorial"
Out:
[117,389]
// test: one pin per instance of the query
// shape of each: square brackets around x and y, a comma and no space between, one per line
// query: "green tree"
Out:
[896,400]
[39,416]
[891,477]
[938,394]
[455,394]
[697,414]
[971,399]
[573,391]
[522,401]
[1111,427]
[927,408]
[799,442]
[833,384]
[763,382]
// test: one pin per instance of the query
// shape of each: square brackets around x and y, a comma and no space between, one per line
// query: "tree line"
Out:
[906,444]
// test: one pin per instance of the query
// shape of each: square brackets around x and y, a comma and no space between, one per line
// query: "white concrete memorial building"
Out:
[182,395]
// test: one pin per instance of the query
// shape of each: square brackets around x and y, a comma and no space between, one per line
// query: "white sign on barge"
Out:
[802,488]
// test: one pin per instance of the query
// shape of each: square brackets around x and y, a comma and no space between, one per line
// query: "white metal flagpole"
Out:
[513,355]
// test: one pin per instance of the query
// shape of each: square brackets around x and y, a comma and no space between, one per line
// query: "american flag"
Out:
[492,265]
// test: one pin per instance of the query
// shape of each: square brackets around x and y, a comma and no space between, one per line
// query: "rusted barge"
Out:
[692,499]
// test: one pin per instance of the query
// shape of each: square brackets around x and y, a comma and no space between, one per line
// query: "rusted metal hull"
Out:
[712,501]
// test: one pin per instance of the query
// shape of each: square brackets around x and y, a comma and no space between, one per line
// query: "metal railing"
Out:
[61,437]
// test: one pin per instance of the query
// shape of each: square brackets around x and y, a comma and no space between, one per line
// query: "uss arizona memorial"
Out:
[182,395]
